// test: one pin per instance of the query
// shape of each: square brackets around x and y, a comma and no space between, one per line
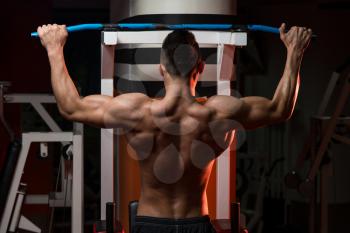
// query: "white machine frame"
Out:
[226,43]
[12,219]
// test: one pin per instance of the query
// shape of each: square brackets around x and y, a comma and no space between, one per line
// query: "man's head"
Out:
[180,55]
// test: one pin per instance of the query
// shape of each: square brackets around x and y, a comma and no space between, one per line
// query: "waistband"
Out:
[171,221]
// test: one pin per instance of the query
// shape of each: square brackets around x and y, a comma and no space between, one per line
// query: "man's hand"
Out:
[53,37]
[296,39]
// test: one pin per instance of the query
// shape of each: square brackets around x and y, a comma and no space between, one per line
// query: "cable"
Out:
[65,203]
[54,200]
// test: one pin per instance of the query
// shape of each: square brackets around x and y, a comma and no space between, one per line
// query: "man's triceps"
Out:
[89,110]
[250,112]
[259,111]
[101,111]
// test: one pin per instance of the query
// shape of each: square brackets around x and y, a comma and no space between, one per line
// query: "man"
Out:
[177,138]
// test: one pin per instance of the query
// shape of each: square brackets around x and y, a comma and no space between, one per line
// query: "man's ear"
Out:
[161,70]
[201,66]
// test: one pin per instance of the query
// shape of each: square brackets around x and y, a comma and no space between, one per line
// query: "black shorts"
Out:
[144,224]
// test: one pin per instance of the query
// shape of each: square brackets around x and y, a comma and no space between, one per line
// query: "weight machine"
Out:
[11,218]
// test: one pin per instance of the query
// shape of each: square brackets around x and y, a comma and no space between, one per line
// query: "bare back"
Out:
[176,145]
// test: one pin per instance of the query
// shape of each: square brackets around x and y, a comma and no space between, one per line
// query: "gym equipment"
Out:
[12,153]
[235,218]
[111,224]
[154,26]
[321,134]
[328,134]
[253,213]
[12,220]
[292,179]
[318,155]
[10,162]
[3,87]
[133,205]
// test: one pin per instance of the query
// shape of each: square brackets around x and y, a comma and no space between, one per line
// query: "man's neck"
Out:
[177,87]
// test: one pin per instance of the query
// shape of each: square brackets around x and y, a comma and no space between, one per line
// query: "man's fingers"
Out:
[301,30]
[44,29]
[50,27]
[282,30]
[293,29]
[309,31]
[40,31]
[62,27]
[309,34]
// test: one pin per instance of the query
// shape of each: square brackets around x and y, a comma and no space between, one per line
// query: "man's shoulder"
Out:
[134,95]
[137,102]
[219,101]
[134,98]
[224,106]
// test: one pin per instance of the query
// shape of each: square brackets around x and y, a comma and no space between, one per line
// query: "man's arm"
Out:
[253,112]
[97,110]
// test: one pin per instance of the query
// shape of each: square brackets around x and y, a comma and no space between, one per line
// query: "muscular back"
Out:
[176,144]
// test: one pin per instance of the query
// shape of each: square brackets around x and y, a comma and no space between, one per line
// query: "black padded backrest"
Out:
[132,214]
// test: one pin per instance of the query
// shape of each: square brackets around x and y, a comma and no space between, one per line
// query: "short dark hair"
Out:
[180,53]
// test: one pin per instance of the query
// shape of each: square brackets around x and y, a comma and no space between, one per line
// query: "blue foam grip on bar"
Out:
[137,26]
[269,29]
[201,26]
[81,27]
[263,28]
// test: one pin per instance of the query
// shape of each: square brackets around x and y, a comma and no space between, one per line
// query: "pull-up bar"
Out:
[153,26]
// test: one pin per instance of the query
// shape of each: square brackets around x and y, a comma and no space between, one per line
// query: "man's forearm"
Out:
[63,87]
[287,91]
